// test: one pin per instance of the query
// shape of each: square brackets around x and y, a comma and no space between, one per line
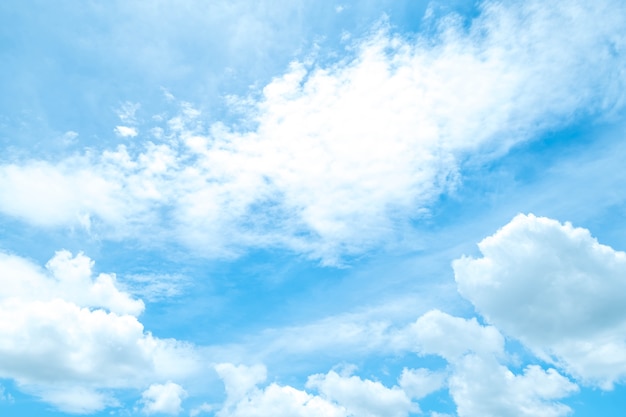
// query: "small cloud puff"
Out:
[125,131]
[163,399]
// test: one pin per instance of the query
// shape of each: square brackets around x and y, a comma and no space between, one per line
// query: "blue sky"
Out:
[355,209]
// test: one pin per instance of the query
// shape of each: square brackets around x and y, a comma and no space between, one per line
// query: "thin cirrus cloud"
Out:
[343,155]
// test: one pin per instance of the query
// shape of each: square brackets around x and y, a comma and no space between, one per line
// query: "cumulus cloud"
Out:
[240,380]
[343,156]
[418,383]
[480,385]
[477,380]
[478,374]
[338,394]
[68,277]
[558,290]
[363,398]
[247,400]
[438,333]
[163,399]
[70,338]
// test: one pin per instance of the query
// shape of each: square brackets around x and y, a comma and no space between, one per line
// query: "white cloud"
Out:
[282,401]
[75,399]
[69,337]
[68,277]
[363,398]
[479,384]
[477,375]
[240,380]
[344,156]
[418,383]
[438,333]
[71,194]
[163,399]
[338,395]
[125,131]
[556,289]
[481,387]
[245,399]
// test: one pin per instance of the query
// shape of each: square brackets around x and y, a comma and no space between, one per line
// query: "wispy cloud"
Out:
[155,287]
[345,155]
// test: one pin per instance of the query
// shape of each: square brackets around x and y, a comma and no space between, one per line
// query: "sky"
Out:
[313,208]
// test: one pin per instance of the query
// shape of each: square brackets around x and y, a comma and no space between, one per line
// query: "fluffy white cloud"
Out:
[70,338]
[125,131]
[438,333]
[282,401]
[481,387]
[363,398]
[240,380]
[479,384]
[477,375]
[337,395]
[556,289]
[343,156]
[418,383]
[245,399]
[67,277]
[163,399]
